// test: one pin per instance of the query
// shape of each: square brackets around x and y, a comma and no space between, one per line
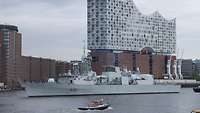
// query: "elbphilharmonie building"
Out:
[120,35]
[119,25]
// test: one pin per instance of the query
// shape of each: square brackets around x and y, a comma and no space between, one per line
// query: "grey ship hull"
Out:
[52,89]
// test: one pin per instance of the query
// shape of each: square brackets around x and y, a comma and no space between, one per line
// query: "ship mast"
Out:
[84,51]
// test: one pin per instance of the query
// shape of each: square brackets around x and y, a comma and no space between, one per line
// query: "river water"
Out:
[183,102]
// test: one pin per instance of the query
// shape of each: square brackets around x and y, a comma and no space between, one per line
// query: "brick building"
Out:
[10,53]
[15,68]
[147,63]
[37,69]
[62,68]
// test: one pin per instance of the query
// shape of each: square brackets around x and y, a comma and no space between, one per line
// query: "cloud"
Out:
[50,28]
[56,28]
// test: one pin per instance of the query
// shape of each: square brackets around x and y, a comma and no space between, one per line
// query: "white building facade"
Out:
[119,25]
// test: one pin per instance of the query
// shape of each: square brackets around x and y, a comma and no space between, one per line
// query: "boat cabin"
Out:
[196,111]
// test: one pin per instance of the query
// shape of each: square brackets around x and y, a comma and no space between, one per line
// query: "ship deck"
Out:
[51,90]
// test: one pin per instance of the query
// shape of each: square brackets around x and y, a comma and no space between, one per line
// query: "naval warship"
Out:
[112,82]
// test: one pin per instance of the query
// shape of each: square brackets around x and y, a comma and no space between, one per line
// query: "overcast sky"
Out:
[56,28]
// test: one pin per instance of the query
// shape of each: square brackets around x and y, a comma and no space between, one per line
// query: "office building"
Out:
[10,53]
[187,68]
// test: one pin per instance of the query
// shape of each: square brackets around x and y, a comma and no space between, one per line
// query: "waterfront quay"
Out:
[186,83]
[183,102]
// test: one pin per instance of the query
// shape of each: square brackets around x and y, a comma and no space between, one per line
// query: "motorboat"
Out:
[196,89]
[95,105]
[196,111]
[99,107]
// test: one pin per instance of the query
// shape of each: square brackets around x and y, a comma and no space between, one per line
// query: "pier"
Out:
[182,83]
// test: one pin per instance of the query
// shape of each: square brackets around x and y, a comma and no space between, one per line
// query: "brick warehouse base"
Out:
[148,63]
